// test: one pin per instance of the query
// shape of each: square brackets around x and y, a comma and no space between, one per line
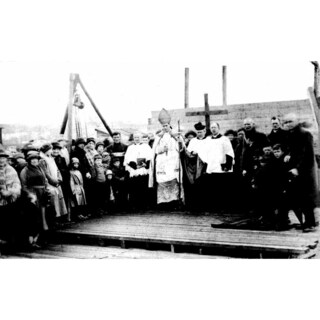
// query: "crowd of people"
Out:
[247,170]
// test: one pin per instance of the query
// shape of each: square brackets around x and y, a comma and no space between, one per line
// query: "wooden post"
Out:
[316,85]
[1,135]
[64,121]
[186,88]
[207,112]
[73,79]
[224,86]
[95,107]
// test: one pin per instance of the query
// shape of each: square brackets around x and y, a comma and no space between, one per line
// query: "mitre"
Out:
[164,117]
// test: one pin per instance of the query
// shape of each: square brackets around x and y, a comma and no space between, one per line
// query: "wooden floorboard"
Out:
[191,230]
[92,252]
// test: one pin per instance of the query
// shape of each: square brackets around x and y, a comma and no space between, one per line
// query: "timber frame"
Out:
[68,117]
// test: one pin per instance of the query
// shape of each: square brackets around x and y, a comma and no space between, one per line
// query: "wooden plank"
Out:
[134,226]
[183,239]
[93,252]
[184,229]
[191,241]
[203,236]
[202,113]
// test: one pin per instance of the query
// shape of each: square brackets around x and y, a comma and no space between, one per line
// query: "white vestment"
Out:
[168,169]
[133,154]
[197,146]
[214,153]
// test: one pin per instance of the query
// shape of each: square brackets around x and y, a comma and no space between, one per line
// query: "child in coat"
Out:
[78,199]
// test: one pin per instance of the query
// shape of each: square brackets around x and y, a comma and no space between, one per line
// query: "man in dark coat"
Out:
[259,139]
[301,161]
[277,134]
[256,142]
[117,149]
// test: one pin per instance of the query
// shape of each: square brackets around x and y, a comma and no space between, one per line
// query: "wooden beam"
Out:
[207,112]
[316,85]
[186,88]
[95,107]
[224,86]
[73,82]
[64,121]
[202,113]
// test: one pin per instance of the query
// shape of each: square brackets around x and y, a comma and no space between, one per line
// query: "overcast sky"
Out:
[131,55]
[38,92]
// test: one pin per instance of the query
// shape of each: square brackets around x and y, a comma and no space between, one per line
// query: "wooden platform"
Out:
[182,232]
[69,251]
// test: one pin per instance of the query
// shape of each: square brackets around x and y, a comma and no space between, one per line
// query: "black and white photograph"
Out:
[90,172]
[158,154]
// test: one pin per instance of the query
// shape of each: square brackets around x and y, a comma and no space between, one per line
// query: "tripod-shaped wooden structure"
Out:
[68,117]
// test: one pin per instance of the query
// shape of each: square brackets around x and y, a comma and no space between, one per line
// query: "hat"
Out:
[33,155]
[190,132]
[164,117]
[97,156]
[75,160]
[4,153]
[199,126]
[99,144]
[19,155]
[91,140]
[56,145]
[28,147]
[109,172]
[80,141]
[46,147]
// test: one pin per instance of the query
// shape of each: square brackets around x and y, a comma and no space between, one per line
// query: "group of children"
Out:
[104,187]
[272,187]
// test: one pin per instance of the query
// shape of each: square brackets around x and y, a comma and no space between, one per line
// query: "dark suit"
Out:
[304,194]
[279,136]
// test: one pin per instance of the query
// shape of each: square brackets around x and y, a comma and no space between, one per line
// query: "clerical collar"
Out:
[217,136]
